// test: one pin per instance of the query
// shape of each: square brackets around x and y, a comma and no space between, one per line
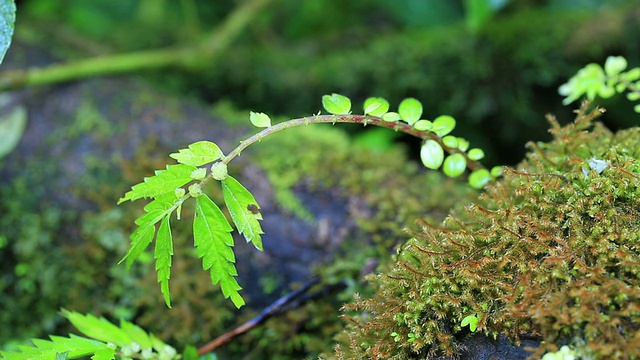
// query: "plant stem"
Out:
[353,119]
[188,57]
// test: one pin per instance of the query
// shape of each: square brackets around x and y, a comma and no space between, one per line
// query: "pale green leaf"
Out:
[336,104]
[410,110]
[454,165]
[614,65]
[423,125]
[476,154]
[443,125]
[198,153]
[259,119]
[463,144]
[479,178]
[432,154]
[637,108]
[496,171]
[244,210]
[472,321]
[136,334]
[13,121]
[7,21]
[99,329]
[163,254]
[391,116]
[376,106]
[450,141]
[163,182]
[214,244]
[104,354]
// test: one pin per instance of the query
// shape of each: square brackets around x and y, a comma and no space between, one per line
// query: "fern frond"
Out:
[163,253]
[214,243]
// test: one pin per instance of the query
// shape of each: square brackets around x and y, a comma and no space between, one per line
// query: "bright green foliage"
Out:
[454,165]
[471,321]
[410,110]
[391,117]
[443,125]
[213,240]
[479,178]
[198,154]
[431,154]
[336,104]
[163,253]
[104,341]
[259,119]
[375,106]
[423,125]
[593,80]
[163,182]
[244,210]
[476,154]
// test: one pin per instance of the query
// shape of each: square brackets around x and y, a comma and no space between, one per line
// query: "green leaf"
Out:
[479,178]
[214,244]
[637,108]
[163,182]
[99,329]
[410,110]
[391,116]
[614,65]
[454,165]
[190,353]
[450,141]
[476,154]
[198,154]
[259,119]
[13,121]
[7,22]
[472,321]
[633,96]
[74,346]
[423,125]
[432,154]
[336,104]
[496,171]
[244,210]
[463,144]
[136,334]
[163,253]
[443,125]
[376,106]
[143,235]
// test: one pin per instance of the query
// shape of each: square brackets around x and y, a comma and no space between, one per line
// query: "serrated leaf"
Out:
[99,329]
[143,235]
[410,110]
[432,154]
[163,253]
[376,106]
[454,165]
[75,347]
[137,334]
[244,210]
[259,119]
[443,125]
[336,104]
[198,154]
[214,244]
[479,178]
[163,182]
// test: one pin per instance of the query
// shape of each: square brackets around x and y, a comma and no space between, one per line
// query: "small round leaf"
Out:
[259,119]
[496,171]
[443,125]
[336,104]
[614,65]
[431,154]
[454,165]
[475,154]
[410,110]
[479,178]
[423,125]
[463,144]
[450,141]
[376,106]
[391,116]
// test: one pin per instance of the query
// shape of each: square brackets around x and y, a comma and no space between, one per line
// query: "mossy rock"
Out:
[550,254]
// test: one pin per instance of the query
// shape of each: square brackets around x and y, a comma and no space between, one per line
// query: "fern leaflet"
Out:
[244,210]
[163,253]
[163,182]
[214,243]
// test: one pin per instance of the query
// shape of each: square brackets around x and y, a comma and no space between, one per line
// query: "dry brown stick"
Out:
[267,313]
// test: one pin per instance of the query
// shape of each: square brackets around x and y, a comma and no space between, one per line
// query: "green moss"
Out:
[550,250]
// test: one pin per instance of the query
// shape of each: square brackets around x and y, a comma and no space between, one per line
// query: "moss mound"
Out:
[550,252]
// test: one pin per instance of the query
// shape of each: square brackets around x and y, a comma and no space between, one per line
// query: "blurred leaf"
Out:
[12,125]
[7,21]
[479,178]
[259,119]
[476,154]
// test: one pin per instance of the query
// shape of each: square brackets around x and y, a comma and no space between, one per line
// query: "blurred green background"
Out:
[494,65]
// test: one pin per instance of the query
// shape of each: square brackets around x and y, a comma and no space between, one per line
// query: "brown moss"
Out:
[549,251]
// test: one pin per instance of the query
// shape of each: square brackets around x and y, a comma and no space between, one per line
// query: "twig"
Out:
[267,313]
